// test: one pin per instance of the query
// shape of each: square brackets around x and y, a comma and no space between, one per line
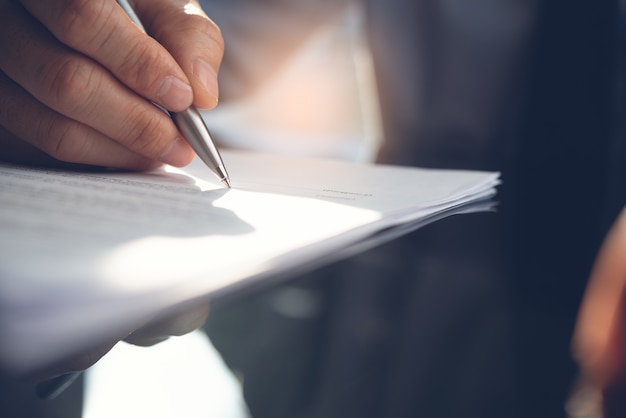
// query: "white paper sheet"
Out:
[84,254]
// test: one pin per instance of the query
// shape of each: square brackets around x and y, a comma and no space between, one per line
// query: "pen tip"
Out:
[226,182]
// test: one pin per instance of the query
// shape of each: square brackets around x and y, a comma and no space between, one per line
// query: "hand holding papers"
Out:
[83,253]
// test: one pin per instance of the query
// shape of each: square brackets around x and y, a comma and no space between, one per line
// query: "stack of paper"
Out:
[84,255]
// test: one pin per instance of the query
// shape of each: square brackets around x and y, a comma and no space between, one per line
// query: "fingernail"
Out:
[207,76]
[174,94]
[178,154]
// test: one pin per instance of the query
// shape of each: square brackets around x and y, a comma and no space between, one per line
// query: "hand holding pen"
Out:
[79,78]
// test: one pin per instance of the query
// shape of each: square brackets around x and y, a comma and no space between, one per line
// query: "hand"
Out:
[600,337]
[78,77]
[175,324]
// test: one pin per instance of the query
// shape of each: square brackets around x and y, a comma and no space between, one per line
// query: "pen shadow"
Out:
[193,214]
[91,209]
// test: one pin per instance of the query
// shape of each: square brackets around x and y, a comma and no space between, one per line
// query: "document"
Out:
[85,253]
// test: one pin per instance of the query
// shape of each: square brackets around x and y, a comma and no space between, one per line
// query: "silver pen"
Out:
[190,123]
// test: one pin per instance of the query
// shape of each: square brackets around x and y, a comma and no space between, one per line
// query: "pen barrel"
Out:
[193,128]
[124,4]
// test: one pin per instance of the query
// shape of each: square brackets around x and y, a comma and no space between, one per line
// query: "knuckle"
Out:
[61,144]
[66,140]
[78,19]
[205,26]
[146,135]
[71,80]
[141,56]
[191,26]
[69,150]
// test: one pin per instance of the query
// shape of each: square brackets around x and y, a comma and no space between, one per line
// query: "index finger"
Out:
[192,38]
[101,30]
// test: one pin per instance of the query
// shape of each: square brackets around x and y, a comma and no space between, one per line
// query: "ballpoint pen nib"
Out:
[226,182]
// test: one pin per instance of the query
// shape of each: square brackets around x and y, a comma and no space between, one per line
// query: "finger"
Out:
[192,38]
[14,150]
[100,29]
[79,89]
[72,364]
[599,339]
[26,120]
[178,324]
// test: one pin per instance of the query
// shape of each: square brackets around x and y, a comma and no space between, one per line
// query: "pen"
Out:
[191,124]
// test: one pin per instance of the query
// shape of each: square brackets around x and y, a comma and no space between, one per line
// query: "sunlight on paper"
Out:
[268,220]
